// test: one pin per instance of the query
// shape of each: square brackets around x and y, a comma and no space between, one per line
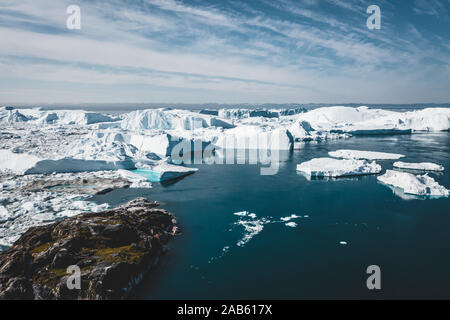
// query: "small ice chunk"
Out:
[343,243]
[245,214]
[364,155]
[241,213]
[421,185]
[4,215]
[424,166]
[292,216]
[291,224]
[329,167]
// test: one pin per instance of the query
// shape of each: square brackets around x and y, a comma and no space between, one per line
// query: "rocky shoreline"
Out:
[113,250]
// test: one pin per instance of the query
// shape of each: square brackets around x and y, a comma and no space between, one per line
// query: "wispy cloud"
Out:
[228,51]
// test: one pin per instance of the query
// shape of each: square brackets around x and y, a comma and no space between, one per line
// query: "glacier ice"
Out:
[330,167]
[421,185]
[65,144]
[424,166]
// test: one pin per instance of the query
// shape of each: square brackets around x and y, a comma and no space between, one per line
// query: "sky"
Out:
[200,51]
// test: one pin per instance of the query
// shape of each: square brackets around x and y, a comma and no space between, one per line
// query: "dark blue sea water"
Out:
[409,238]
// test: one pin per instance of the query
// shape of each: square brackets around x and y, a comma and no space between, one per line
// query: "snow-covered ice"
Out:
[330,167]
[423,166]
[365,155]
[421,185]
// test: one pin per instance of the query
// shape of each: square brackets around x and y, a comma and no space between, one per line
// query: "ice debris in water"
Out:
[292,216]
[252,228]
[245,214]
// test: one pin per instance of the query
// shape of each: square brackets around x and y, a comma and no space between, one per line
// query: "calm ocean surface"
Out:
[409,238]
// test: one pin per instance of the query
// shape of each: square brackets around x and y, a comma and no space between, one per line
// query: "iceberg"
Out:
[10,116]
[252,113]
[66,117]
[160,144]
[424,166]
[421,185]
[24,164]
[329,167]
[363,120]
[168,119]
[365,155]
[255,138]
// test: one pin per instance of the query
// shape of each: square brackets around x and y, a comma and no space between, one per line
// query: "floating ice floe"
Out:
[137,180]
[421,185]
[163,172]
[330,167]
[364,155]
[423,166]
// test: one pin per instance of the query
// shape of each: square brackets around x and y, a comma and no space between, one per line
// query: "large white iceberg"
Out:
[366,155]
[364,120]
[424,166]
[329,167]
[66,117]
[10,115]
[168,119]
[421,185]
[254,137]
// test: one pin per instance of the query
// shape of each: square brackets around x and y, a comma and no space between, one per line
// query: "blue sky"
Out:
[199,51]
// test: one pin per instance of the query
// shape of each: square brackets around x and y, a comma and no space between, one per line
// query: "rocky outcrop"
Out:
[113,250]
[79,186]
